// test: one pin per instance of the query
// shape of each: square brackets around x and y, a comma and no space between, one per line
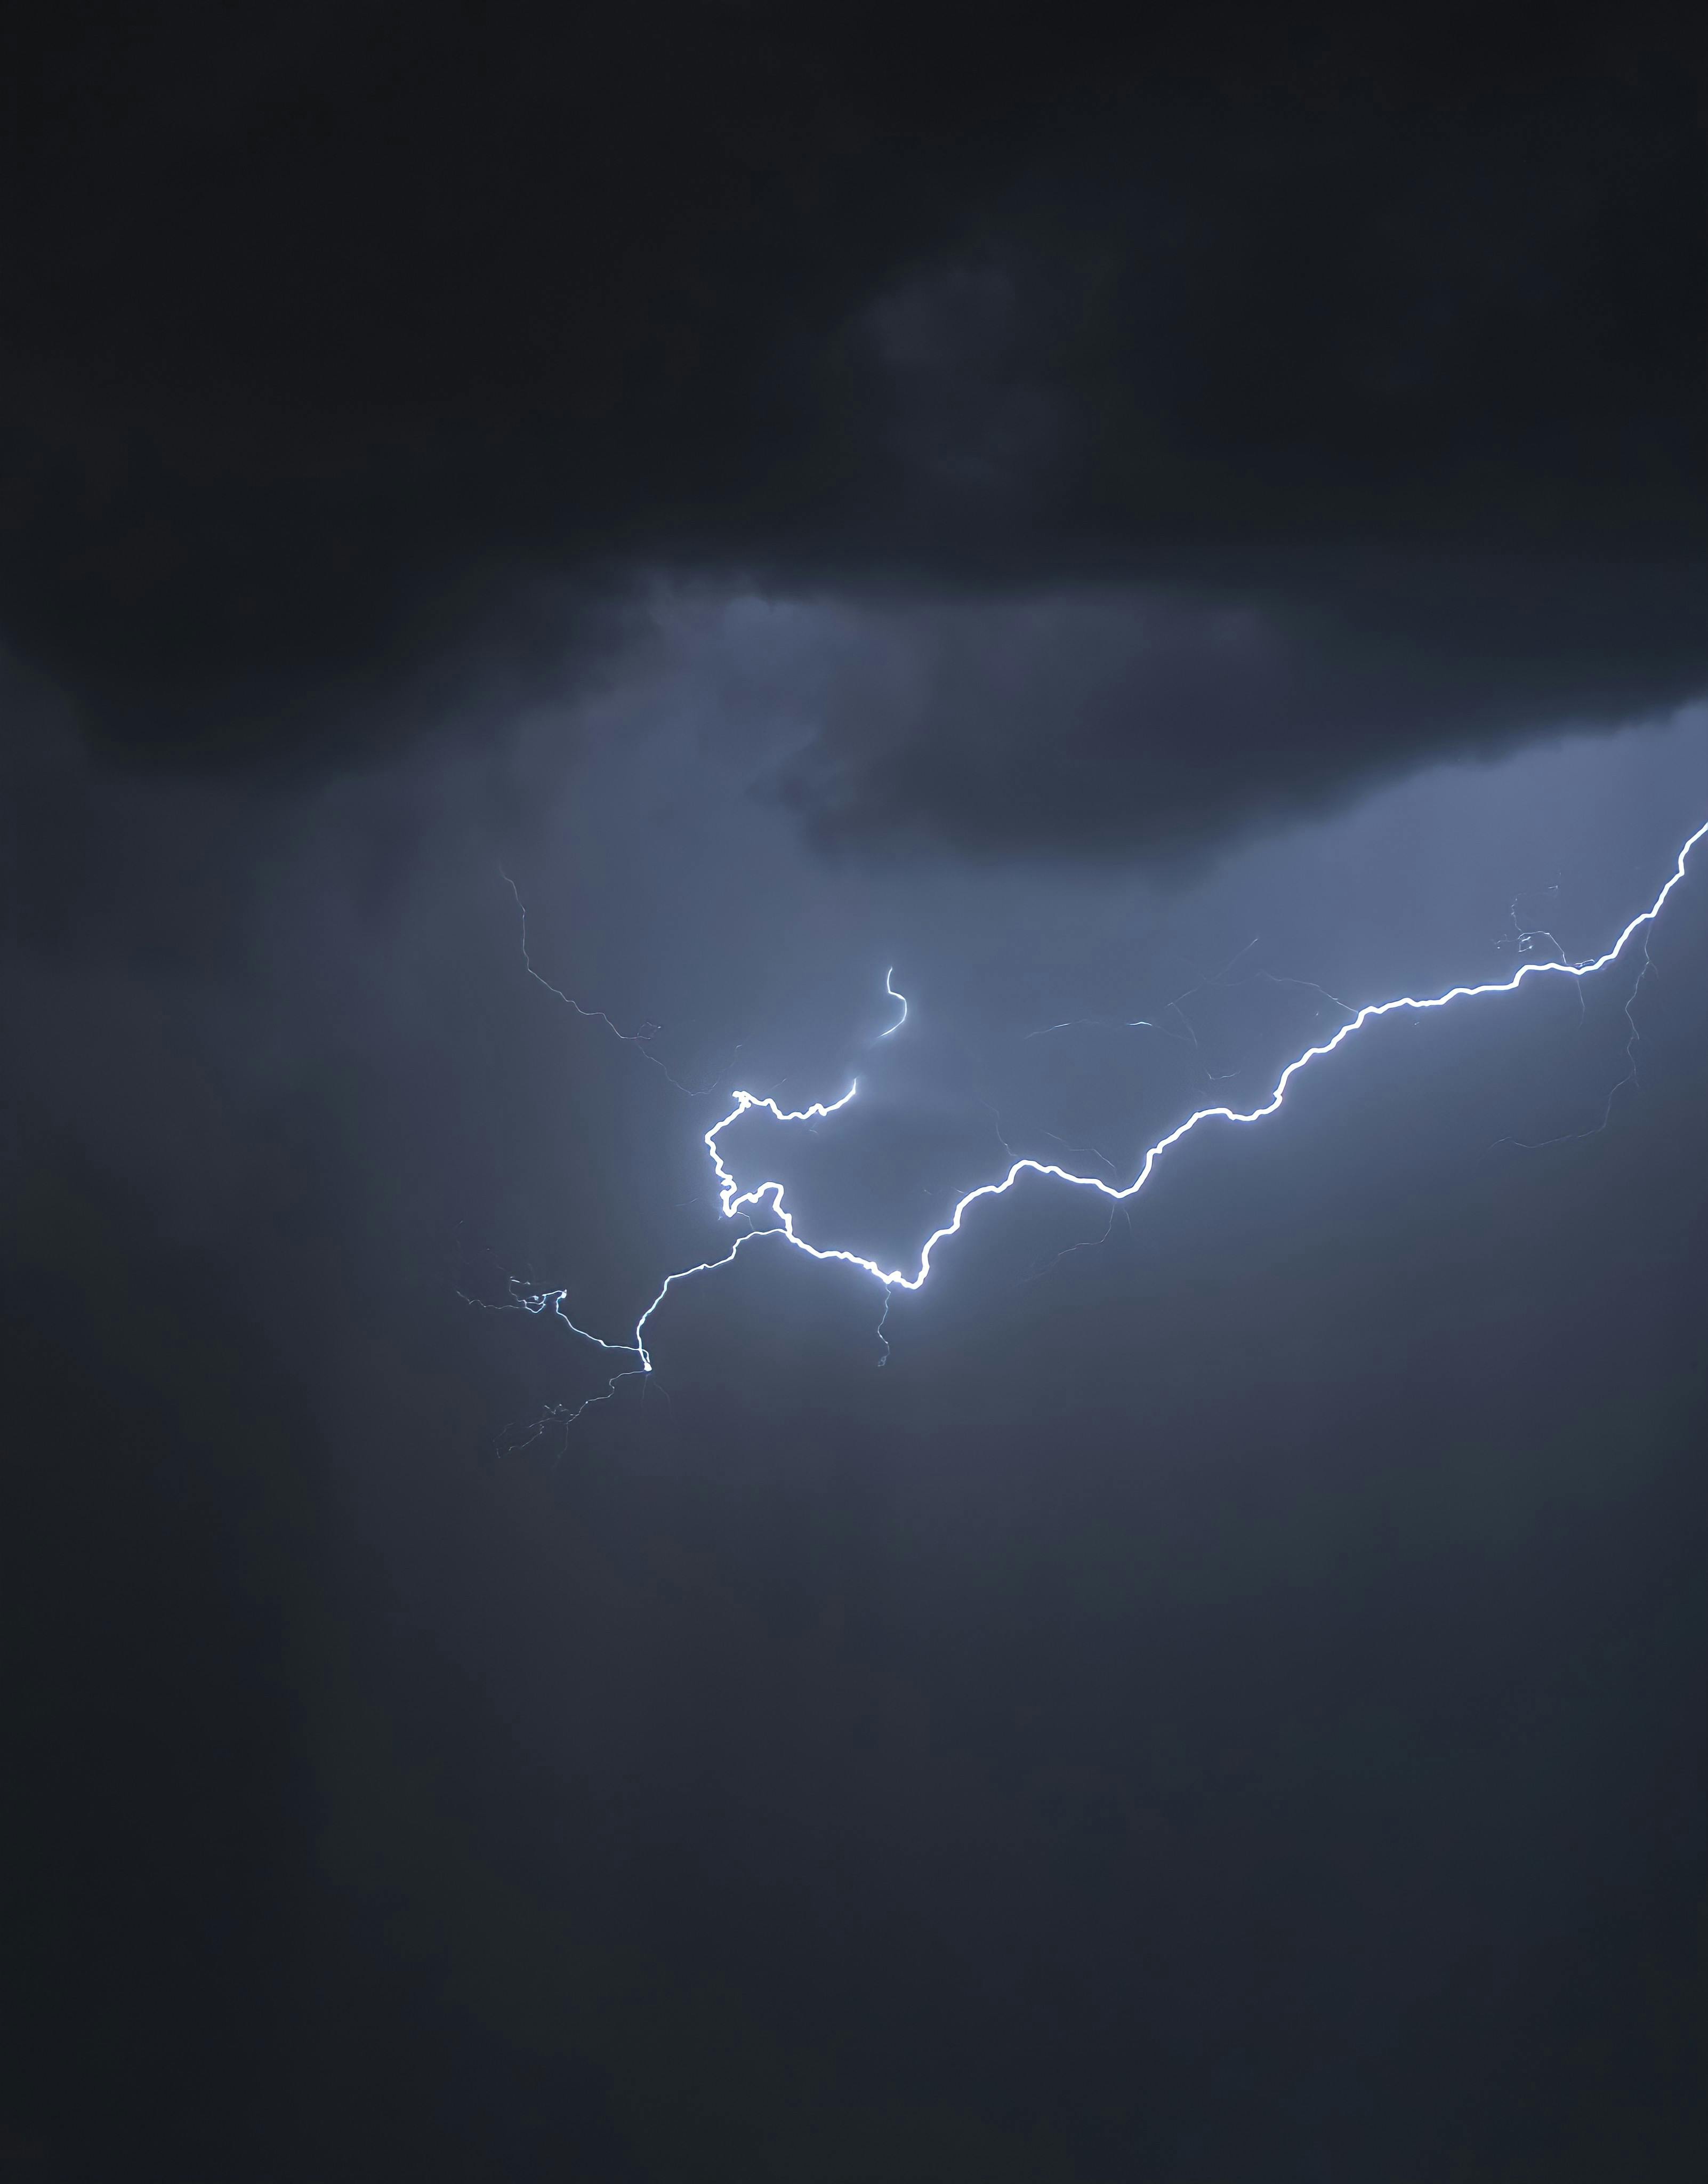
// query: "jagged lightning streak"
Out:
[734,1201]
[641,1039]
[888,989]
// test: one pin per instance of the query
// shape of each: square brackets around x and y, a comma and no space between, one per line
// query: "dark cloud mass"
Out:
[1142,531]
[1111,721]
[328,339]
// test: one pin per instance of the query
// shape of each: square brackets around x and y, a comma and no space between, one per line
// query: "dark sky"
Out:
[1200,518]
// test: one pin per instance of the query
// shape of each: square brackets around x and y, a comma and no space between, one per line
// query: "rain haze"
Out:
[556,573]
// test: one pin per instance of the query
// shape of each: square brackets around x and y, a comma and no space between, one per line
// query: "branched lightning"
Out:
[1630,1078]
[641,1037]
[1525,937]
[995,1114]
[734,1201]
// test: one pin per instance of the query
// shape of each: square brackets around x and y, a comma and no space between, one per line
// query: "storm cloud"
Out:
[1161,532]
[1276,405]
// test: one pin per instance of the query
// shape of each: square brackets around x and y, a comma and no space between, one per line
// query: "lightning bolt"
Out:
[894,1028]
[641,1039]
[736,1202]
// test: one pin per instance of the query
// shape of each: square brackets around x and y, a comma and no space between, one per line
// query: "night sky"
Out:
[1161,528]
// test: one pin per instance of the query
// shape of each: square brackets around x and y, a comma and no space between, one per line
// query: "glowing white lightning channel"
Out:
[733,1201]
[894,1028]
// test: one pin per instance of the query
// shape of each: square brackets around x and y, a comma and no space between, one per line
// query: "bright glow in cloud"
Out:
[734,1201]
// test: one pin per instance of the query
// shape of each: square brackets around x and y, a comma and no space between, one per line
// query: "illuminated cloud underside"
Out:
[734,1201]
